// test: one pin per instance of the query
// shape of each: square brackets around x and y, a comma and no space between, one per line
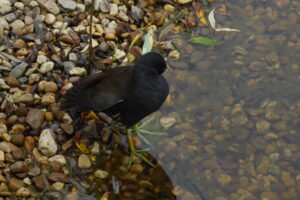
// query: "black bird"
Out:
[131,92]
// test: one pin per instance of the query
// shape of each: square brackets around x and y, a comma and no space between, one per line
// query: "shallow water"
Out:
[237,107]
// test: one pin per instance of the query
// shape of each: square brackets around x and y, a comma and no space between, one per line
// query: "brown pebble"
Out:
[49,116]
[29,143]
[38,182]
[14,184]
[58,177]
[17,154]
[12,81]
[35,118]
[137,168]
[17,139]
[18,167]
[12,119]
[18,129]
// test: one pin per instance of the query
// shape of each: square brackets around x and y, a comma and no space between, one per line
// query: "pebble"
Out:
[12,81]
[58,177]
[52,7]
[47,86]
[68,128]
[3,85]
[167,122]
[68,66]
[18,70]
[174,54]
[48,98]
[102,5]
[34,78]
[101,174]
[263,126]
[17,139]
[184,1]
[224,179]
[46,67]
[59,160]
[17,27]
[19,5]
[50,18]
[269,196]
[14,184]
[73,57]
[119,54]
[2,156]
[23,192]
[24,98]
[68,4]
[78,71]
[169,8]
[47,144]
[84,161]
[80,7]
[5,7]
[35,118]
[113,9]
[10,17]
[58,186]
[18,167]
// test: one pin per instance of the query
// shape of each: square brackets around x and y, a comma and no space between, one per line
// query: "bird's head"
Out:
[152,62]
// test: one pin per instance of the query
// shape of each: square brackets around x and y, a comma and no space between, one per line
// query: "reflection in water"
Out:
[237,107]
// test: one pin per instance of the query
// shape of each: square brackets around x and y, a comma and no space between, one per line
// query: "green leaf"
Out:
[204,41]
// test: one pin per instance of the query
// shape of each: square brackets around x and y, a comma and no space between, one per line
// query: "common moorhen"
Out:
[128,94]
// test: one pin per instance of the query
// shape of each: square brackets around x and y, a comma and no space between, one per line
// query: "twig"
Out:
[91,56]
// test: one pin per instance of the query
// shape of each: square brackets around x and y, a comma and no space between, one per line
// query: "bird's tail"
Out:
[72,100]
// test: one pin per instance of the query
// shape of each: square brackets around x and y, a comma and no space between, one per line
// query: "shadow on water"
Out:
[237,107]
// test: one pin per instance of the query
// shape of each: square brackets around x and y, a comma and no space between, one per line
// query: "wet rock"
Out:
[35,118]
[174,54]
[23,192]
[47,144]
[18,167]
[52,7]
[18,70]
[263,126]
[59,160]
[224,179]
[101,174]
[46,67]
[84,161]
[67,4]
[167,122]
[269,196]
[58,177]
[14,184]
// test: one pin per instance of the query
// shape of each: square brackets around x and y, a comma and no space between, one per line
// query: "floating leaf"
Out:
[148,43]
[204,41]
[227,29]
[211,18]
[81,145]
[136,38]
[200,12]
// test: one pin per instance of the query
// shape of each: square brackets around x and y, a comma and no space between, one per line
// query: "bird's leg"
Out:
[134,151]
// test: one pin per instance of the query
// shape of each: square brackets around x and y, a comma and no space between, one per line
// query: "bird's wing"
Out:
[98,91]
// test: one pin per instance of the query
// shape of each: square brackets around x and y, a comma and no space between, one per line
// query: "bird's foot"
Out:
[136,152]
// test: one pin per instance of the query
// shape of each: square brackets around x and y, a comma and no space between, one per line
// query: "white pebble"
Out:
[50,18]
[47,144]
[41,59]
[113,9]
[119,54]
[46,67]
[78,71]
[19,5]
